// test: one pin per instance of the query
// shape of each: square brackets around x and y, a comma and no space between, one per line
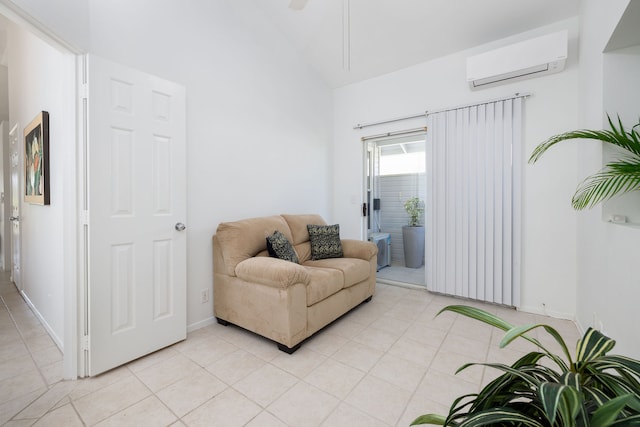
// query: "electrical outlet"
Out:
[204,296]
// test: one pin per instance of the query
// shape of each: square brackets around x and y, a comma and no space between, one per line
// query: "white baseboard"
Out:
[401,284]
[550,313]
[581,329]
[201,324]
[56,339]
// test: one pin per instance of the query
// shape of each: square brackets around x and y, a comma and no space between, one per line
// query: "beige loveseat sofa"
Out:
[281,300]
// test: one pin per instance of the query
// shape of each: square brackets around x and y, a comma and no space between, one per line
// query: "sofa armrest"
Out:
[272,272]
[359,249]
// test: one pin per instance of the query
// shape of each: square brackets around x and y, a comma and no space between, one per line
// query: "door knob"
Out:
[180,226]
[14,218]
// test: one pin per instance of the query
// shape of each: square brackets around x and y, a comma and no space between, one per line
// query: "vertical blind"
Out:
[473,205]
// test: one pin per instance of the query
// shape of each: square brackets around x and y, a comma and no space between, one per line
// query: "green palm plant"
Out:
[617,177]
[590,389]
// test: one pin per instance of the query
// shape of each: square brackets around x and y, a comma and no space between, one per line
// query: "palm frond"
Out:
[618,136]
[614,179]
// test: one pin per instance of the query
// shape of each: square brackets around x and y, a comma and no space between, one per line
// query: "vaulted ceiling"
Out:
[381,36]
[352,40]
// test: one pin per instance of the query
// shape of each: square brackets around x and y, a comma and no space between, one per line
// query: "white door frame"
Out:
[72,257]
[5,240]
[12,237]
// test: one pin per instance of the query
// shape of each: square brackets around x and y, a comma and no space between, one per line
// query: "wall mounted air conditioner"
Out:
[530,58]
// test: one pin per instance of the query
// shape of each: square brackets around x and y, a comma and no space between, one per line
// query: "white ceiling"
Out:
[387,35]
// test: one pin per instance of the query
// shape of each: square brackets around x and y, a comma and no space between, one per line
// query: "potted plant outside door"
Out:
[413,234]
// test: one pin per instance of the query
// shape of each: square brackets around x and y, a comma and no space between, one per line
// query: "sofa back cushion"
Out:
[298,226]
[240,240]
[304,252]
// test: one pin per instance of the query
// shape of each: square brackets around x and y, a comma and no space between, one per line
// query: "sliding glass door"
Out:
[395,172]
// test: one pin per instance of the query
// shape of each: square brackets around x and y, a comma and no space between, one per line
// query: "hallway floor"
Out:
[383,364]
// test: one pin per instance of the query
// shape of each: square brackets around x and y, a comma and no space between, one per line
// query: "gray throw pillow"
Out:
[279,247]
[325,241]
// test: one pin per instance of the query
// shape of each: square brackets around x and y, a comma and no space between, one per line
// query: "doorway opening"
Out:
[395,173]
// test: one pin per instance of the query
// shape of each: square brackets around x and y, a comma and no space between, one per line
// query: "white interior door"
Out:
[137,204]
[15,148]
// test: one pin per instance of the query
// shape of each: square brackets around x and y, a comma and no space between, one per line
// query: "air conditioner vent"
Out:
[530,58]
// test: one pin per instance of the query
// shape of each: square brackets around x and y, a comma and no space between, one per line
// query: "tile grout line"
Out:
[413,394]
[152,394]
[368,371]
[15,324]
[77,412]
[417,322]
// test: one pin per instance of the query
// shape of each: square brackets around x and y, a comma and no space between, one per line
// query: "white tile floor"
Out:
[383,364]
[400,273]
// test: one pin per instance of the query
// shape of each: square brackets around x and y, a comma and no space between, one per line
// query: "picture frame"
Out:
[36,160]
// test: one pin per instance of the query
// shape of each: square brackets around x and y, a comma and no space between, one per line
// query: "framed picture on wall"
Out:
[36,160]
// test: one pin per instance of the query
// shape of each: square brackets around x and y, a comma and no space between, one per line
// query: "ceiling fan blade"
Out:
[297,4]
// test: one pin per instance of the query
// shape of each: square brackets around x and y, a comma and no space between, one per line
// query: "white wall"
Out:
[42,78]
[5,201]
[4,93]
[608,269]
[549,223]
[258,119]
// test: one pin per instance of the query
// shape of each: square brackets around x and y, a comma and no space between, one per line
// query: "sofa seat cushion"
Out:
[323,282]
[353,270]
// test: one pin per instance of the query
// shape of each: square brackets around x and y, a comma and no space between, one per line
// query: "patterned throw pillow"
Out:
[279,247]
[325,241]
